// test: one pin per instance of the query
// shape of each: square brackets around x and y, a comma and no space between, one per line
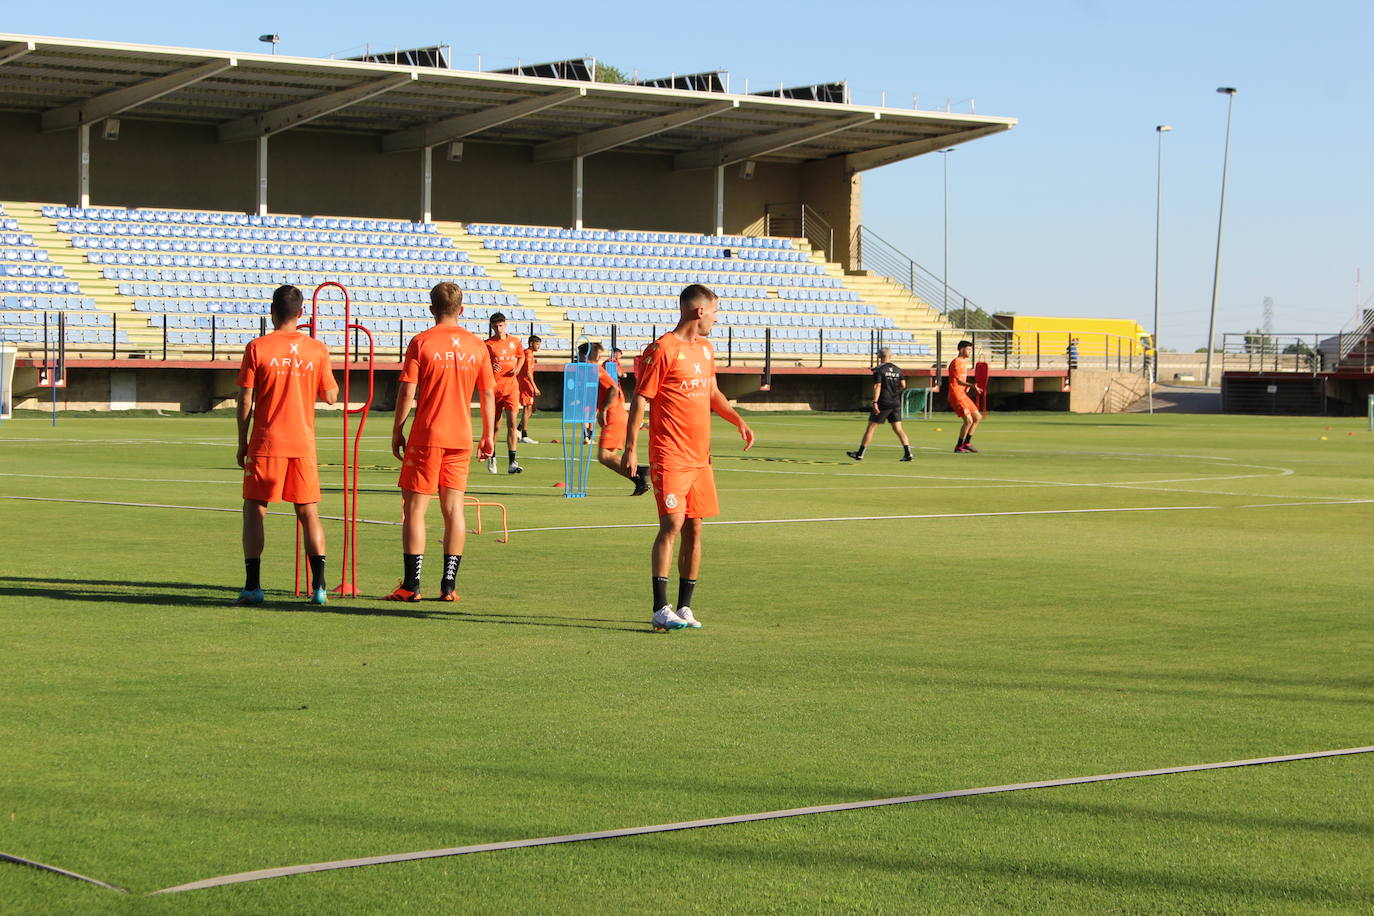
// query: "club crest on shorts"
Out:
[670,501]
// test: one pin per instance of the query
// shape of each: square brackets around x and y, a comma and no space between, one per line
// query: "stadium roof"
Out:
[72,82]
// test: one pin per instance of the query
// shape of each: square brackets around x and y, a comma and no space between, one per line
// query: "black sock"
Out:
[660,591]
[685,587]
[414,562]
[860,450]
[906,451]
[968,440]
[450,580]
[510,456]
[251,580]
[317,572]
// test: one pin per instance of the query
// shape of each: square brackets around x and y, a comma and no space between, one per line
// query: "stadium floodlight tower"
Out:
[272,39]
[1230,93]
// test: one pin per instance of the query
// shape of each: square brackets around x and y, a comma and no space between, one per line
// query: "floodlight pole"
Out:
[1160,130]
[1230,94]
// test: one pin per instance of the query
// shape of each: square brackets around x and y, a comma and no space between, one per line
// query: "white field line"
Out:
[287,871]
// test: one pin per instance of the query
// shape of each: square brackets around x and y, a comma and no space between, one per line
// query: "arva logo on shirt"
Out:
[449,356]
[286,362]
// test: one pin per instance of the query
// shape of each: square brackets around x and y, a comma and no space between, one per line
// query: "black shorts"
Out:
[881,414]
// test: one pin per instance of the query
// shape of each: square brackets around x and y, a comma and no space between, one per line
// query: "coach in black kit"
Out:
[887,405]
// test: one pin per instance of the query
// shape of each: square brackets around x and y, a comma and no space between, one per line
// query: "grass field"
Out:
[151,735]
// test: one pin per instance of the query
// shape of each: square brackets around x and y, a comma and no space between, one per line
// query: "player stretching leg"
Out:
[443,365]
[610,414]
[507,361]
[528,390]
[281,376]
[887,405]
[959,400]
[678,377]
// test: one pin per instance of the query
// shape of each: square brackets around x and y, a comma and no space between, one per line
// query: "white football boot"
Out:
[686,614]
[665,619]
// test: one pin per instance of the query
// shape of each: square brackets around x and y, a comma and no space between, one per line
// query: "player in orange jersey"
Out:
[442,368]
[507,361]
[282,375]
[959,400]
[610,415]
[528,389]
[677,375]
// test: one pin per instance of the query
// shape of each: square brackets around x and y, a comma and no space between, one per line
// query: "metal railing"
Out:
[876,254]
[799,221]
[1351,338]
[1256,351]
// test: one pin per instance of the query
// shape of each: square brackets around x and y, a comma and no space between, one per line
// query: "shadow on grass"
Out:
[186,594]
[1166,884]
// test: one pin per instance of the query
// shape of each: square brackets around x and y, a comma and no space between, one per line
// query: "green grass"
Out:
[151,735]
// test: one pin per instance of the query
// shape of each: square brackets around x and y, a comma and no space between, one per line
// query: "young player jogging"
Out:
[282,375]
[528,389]
[960,401]
[442,367]
[507,360]
[886,407]
[677,376]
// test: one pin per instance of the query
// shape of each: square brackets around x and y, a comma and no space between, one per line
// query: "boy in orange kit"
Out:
[960,401]
[281,376]
[507,361]
[528,389]
[442,367]
[677,374]
[610,415]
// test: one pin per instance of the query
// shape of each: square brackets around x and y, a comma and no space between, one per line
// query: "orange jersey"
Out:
[958,375]
[446,363]
[287,371]
[527,371]
[608,392]
[505,356]
[678,378]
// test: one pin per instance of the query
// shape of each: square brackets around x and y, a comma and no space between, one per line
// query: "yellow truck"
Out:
[1097,338]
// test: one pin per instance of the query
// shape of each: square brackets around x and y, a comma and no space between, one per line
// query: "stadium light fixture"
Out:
[1160,131]
[271,39]
[1230,93]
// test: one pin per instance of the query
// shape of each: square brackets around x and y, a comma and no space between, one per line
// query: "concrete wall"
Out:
[1104,392]
[161,164]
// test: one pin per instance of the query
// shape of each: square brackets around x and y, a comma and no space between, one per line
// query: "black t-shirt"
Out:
[890,378]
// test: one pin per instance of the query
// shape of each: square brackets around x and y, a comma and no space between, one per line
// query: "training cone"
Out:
[1322,438]
[938,429]
[559,484]
[554,441]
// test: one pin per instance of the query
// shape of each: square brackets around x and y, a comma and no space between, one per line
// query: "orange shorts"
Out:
[526,395]
[961,404]
[425,470]
[690,491]
[507,399]
[613,433]
[273,480]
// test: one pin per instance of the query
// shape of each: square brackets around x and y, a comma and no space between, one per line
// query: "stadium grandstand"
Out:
[155,196]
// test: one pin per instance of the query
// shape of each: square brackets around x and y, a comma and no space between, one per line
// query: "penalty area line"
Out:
[287,871]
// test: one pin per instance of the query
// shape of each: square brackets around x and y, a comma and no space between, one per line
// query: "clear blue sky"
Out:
[1055,217]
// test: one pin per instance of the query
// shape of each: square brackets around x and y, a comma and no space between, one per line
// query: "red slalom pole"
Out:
[310,327]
